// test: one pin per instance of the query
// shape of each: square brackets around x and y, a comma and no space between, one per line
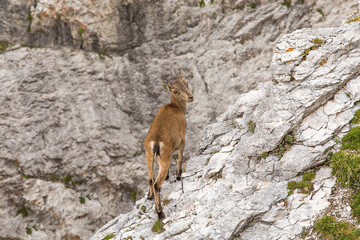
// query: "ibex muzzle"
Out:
[166,135]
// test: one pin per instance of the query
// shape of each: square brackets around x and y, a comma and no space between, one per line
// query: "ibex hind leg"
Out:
[164,167]
[150,164]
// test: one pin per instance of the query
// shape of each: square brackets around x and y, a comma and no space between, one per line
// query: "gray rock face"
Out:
[228,190]
[72,122]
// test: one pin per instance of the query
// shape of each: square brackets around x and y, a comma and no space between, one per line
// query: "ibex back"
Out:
[165,136]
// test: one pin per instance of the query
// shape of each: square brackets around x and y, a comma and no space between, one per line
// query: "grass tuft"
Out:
[109,236]
[331,229]
[158,227]
[3,45]
[252,126]
[356,119]
[351,141]
[286,3]
[305,185]
[252,4]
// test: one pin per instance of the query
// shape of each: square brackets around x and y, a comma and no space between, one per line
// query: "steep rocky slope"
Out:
[236,186]
[75,105]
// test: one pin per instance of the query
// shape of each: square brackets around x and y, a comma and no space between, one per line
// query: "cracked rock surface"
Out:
[228,190]
[72,119]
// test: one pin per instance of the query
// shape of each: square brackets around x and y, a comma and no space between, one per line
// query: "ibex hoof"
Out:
[150,197]
[178,178]
[167,177]
[161,215]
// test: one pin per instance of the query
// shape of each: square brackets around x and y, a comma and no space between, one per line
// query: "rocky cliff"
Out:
[236,185]
[80,84]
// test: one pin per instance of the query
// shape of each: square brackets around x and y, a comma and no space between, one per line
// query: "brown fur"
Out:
[165,136]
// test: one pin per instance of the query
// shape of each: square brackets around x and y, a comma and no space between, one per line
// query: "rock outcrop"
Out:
[236,186]
[76,103]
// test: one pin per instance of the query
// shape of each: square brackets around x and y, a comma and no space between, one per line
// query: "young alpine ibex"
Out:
[166,135]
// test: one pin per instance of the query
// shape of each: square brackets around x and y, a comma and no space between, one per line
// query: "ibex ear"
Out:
[166,87]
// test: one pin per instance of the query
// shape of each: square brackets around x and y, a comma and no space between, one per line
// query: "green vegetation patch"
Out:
[346,166]
[351,141]
[321,12]
[23,211]
[356,119]
[331,229]
[305,185]
[252,126]
[109,236]
[202,3]
[158,227]
[284,145]
[80,31]
[286,3]
[28,231]
[264,155]
[318,42]
[3,45]
[82,200]
[133,194]
[252,4]
[143,208]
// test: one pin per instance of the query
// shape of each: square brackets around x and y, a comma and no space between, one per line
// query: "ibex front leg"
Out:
[179,161]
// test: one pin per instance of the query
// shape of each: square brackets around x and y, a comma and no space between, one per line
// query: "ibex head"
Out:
[179,88]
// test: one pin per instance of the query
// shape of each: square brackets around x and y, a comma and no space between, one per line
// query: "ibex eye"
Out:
[175,92]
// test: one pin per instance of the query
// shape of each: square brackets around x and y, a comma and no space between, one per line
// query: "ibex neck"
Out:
[178,103]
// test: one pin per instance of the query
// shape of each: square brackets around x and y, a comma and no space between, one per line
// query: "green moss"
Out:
[28,231]
[132,195]
[289,139]
[252,126]
[25,176]
[331,229]
[23,211]
[158,227]
[143,208]
[321,12]
[356,119]
[264,155]
[3,45]
[304,234]
[80,31]
[30,17]
[202,3]
[317,41]
[286,3]
[82,200]
[305,185]
[67,180]
[54,178]
[284,146]
[109,236]
[351,140]
[252,4]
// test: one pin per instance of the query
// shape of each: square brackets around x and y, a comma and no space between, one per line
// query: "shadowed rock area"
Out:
[80,82]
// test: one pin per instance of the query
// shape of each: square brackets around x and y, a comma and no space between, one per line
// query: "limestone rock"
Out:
[76,103]
[239,194]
